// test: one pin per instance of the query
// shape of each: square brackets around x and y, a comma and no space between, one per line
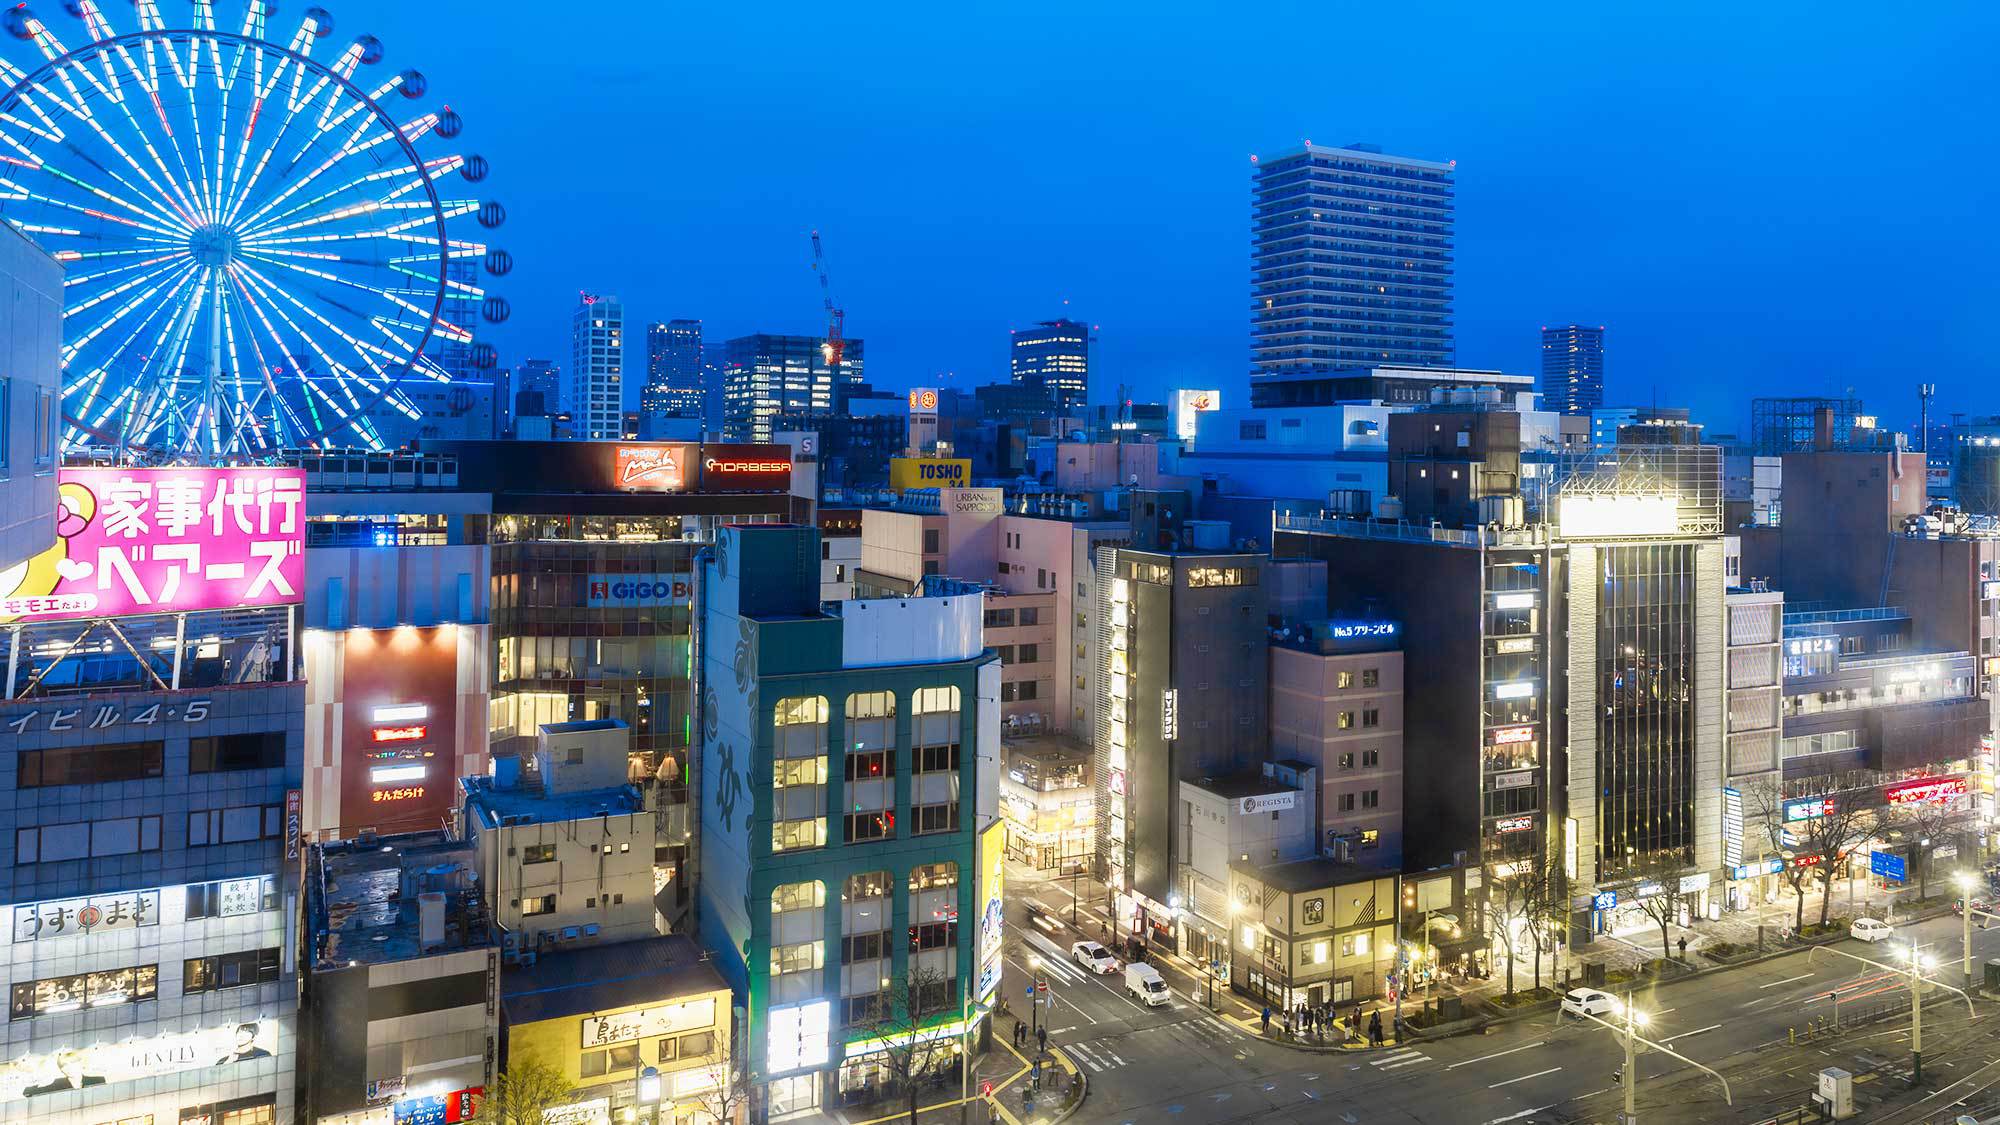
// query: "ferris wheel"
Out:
[259,254]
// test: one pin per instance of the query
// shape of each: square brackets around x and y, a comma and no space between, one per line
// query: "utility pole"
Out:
[1916,1017]
[1966,884]
[1918,963]
[1631,1072]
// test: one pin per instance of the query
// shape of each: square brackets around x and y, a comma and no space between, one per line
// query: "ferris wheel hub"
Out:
[214,246]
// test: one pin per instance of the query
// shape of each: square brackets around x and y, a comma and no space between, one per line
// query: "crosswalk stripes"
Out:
[1219,1026]
[1396,1060]
[1099,1057]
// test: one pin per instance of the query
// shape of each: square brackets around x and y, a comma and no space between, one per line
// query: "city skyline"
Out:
[1693,224]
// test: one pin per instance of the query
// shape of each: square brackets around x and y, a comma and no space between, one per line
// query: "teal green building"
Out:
[849,813]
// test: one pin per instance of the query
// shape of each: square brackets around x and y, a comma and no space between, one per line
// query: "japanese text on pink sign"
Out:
[169,540]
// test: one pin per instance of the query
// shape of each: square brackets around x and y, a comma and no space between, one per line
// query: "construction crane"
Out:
[836,317]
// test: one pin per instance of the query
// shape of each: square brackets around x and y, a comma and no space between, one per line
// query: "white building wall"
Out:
[879,631]
[30,348]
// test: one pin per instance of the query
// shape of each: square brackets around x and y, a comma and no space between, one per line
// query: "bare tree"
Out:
[1663,877]
[523,1092]
[1550,913]
[910,1049]
[1812,845]
[726,1089]
[1924,822]
[1511,902]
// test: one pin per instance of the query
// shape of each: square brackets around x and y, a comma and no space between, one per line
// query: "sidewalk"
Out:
[1630,952]
[1335,1040]
[1012,1101]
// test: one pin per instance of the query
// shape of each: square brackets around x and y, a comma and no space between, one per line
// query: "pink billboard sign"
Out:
[169,540]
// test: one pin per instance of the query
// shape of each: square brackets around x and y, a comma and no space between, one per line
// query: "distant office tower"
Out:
[541,377]
[673,370]
[595,396]
[766,375]
[1057,353]
[1572,369]
[1350,260]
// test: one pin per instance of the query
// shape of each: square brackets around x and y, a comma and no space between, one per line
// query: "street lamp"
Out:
[1920,963]
[1917,963]
[1634,1019]
[1628,1031]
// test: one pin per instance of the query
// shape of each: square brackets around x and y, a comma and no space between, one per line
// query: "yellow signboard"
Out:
[929,472]
[993,894]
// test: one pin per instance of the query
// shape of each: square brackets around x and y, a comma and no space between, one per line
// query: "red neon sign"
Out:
[1926,789]
[1507,736]
[400,734]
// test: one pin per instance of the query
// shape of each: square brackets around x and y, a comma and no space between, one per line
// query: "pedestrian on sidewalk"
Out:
[1267,1019]
[1042,1039]
[1020,1034]
[1375,1028]
[1683,943]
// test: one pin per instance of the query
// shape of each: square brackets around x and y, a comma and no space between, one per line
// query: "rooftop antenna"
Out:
[1925,393]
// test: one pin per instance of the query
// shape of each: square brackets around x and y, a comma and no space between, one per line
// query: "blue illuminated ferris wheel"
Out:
[259,252]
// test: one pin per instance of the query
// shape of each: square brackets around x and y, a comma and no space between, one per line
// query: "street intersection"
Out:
[1764,1025]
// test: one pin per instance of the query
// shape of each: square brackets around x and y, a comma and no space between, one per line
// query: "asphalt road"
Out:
[1183,1065]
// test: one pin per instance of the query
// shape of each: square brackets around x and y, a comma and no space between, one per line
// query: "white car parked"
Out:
[1869,929]
[1094,957]
[1589,1002]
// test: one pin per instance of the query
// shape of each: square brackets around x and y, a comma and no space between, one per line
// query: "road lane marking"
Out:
[1685,1034]
[1497,1054]
[1520,1115]
[1787,980]
[1524,1078]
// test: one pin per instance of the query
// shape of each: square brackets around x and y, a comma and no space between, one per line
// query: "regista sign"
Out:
[133,541]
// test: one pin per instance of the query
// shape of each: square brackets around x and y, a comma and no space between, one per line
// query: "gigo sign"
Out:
[928,472]
[625,590]
[165,541]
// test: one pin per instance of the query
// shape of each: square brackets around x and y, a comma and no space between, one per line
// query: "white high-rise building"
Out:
[594,393]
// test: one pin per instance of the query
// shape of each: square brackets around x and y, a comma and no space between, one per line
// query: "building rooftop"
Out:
[362,897]
[1236,785]
[1312,874]
[497,806]
[594,978]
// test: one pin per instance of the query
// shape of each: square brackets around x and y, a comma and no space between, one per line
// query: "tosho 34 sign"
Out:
[132,541]
[620,590]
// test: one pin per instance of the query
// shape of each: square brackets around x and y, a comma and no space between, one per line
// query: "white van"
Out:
[1144,983]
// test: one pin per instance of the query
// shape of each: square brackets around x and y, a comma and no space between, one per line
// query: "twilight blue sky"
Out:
[1754,198]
